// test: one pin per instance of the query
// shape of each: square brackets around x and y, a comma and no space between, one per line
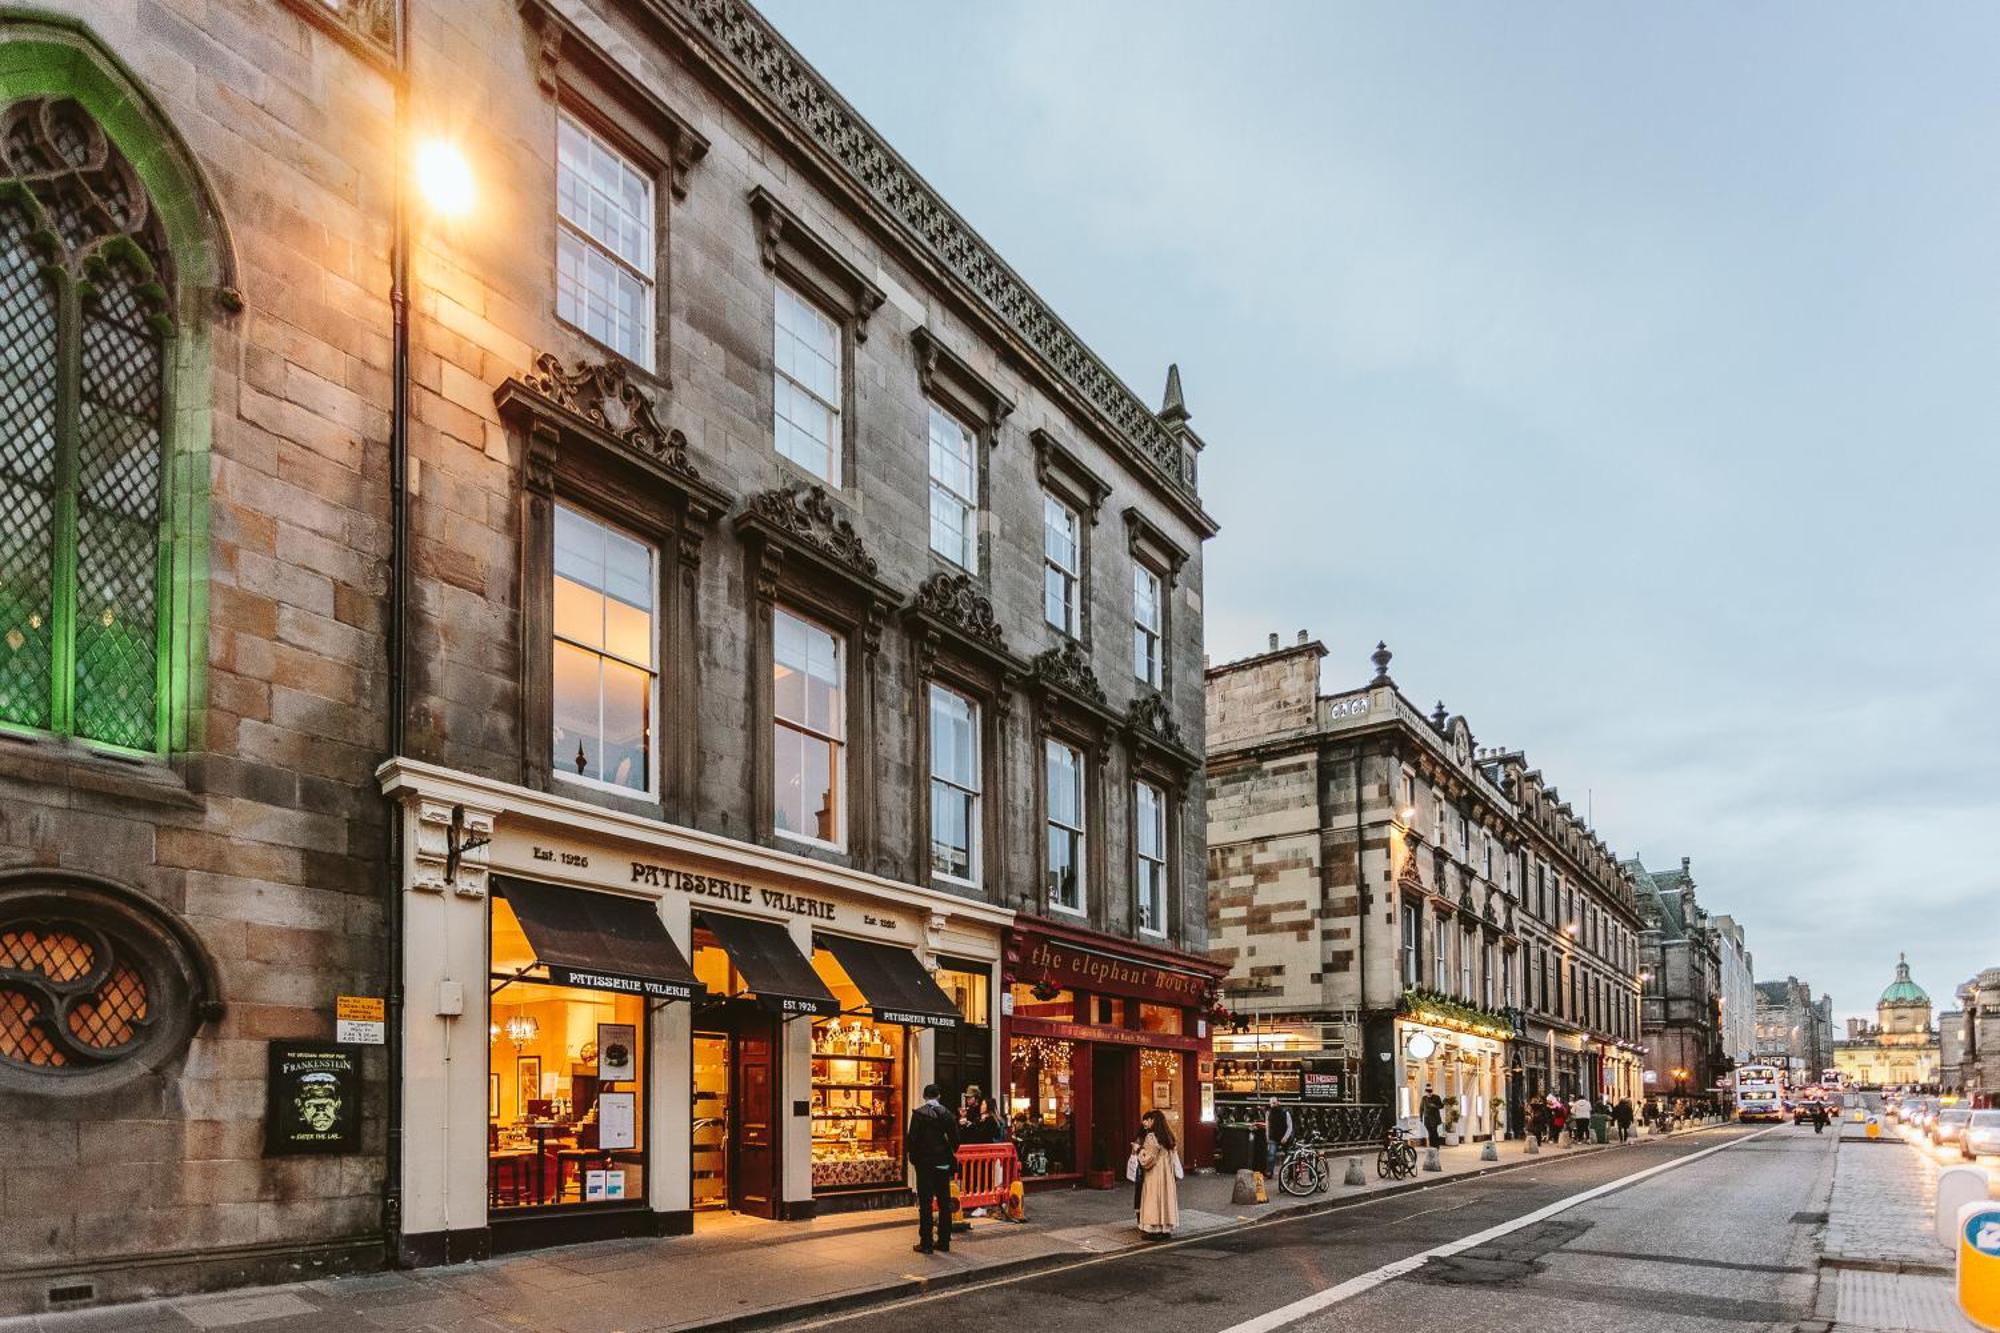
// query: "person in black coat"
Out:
[1433,1116]
[932,1148]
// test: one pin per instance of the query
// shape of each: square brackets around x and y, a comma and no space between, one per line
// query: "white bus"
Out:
[1760,1093]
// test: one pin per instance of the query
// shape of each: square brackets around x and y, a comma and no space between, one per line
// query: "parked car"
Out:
[1949,1127]
[1981,1137]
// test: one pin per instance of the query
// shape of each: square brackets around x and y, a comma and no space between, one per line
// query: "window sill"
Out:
[803,840]
[954,882]
[55,762]
[1066,910]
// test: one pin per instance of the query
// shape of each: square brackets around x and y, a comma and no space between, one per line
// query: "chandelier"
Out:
[521,1029]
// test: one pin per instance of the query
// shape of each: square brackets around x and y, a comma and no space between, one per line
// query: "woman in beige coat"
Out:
[1159,1190]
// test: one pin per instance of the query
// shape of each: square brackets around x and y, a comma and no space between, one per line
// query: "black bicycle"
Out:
[1398,1158]
[1303,1169]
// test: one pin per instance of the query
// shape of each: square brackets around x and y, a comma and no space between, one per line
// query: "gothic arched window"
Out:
[85,327]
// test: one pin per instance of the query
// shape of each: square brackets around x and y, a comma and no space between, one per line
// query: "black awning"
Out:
[773,969]
[599,941]
[893,982]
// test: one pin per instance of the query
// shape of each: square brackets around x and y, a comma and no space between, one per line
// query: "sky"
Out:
[1629,369]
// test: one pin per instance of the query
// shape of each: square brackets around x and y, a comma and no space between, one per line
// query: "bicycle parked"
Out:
[1303,1169]
[1398,1158]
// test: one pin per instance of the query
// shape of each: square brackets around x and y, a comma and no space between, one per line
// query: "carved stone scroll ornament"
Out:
[1151,713]
[956,600]
[1067,667]
[603,394]
[809,516]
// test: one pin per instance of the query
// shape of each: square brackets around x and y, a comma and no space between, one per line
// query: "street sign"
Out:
[360,1020]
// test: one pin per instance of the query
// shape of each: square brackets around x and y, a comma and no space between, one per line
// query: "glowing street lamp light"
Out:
[444,178]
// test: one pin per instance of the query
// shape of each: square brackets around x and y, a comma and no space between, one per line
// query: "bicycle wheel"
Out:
[1406,1160]
[1296,1175]
[1384,1167]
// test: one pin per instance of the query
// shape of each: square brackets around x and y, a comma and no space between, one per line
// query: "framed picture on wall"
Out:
[527,1083]
[493,1096]
[616,1043]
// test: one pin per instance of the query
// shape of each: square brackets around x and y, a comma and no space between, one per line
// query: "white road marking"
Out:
[1355,1286]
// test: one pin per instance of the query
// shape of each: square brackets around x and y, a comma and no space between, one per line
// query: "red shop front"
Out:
[1098,1031]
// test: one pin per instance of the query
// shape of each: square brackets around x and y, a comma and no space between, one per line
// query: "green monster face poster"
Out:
[314,1100]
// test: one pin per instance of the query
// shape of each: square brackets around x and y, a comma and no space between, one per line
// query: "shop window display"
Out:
[1041,1105]
[566,1070]
[1165,1018]
[1160,1087]
[857,1092]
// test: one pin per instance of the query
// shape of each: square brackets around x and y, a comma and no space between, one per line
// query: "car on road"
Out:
[1981,1137]
[1949,1126]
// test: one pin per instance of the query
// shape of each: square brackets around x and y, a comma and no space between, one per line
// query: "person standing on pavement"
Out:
[1431,1109]
[1278,1132]
[1558,1117]
[1159,1183]
[932,1148]
[1622,1115]
[1579,1118]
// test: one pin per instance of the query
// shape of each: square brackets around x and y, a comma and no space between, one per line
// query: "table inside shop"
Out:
[515,1158]
[541,1131]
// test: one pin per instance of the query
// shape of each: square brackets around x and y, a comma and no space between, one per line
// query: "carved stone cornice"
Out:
[367,26]
[1066,667]
[598,402]
[751,54]
[1154,716]
[807,516]
[956,600]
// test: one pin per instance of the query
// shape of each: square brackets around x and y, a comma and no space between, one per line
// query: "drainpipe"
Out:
[398,638]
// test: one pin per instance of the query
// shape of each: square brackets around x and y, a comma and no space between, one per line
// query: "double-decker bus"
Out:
[1760,1093]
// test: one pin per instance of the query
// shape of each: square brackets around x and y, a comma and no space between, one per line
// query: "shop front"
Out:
[1467,1068]
[674,1024]
[1098,1031]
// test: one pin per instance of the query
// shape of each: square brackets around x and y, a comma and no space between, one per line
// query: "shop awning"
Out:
[599,941]
[775,972]
[893,982]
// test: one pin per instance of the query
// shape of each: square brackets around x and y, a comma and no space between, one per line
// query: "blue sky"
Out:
[1630,369]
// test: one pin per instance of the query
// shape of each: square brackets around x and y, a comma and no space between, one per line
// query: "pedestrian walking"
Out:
[1622,1115]
[1558,1117]
[1159,1164]
[1579,1118]
[1279,1130]
[1538,1118]
[1432,1108]
[932,1148]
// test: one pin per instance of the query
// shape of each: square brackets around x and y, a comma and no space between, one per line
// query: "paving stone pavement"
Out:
[689,1282]
[1883,1270]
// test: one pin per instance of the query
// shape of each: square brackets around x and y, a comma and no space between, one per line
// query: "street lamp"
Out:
[444,178]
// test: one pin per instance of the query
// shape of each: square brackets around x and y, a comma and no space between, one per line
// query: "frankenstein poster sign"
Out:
[314,1099]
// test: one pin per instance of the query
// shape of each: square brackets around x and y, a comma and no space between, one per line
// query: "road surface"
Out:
[1715,1233]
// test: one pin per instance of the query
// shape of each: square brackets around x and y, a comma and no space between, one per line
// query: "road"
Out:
[1718,1235]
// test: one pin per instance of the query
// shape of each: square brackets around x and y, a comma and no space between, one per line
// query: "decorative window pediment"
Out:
[949,610]
[950,379]
[1061,471]
[799,255]
[803,521]
[598,405]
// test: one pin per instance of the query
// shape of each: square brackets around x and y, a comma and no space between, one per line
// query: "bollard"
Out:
[1354,1173]
[1245,1190]
[1956,1187]
[1432,1162]
[1978,1244]
[1534,1144]
[1489,1153]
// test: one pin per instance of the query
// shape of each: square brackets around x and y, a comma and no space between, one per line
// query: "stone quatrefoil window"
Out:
[68,999]
[84,330]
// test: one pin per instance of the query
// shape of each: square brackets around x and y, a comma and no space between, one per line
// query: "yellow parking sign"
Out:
[1979,1263]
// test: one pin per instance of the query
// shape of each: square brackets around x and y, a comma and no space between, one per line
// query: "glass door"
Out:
[710,1130]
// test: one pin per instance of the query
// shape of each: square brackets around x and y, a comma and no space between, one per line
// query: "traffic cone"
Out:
[1016,1207]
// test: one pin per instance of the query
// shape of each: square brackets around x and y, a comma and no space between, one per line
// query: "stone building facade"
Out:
[1977,1069]
[1580,938]
[1404,908]
[1680,968]
[1900,1048]
[862,602]
[1738,993]
[1794,1031]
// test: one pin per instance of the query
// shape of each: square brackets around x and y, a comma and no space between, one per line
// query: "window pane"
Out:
[628,633]
[604,245]
[806,389]
[789,807]
[1063,875]
[27,480]
[577,751]
[954,753]
[951,831]
[627,726]
[579,613]
[1055,598]
[1059,534]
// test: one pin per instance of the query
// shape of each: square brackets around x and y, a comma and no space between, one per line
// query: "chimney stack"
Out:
[1274,642]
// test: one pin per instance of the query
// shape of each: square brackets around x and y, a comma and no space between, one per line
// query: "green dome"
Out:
[1903,990]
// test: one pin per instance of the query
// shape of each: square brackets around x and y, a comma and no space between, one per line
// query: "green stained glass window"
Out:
[83,342]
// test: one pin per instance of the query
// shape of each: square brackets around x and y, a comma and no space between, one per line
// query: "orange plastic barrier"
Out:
[986,1175]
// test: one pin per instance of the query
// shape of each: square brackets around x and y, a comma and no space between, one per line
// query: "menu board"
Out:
[313,1099]
[1319,1082]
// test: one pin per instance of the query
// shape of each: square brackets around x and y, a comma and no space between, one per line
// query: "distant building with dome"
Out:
[1900,1047]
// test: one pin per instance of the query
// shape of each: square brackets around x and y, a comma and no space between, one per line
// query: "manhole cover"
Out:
[1809,1218]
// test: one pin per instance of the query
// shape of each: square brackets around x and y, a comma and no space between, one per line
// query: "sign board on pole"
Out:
[360,1020]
